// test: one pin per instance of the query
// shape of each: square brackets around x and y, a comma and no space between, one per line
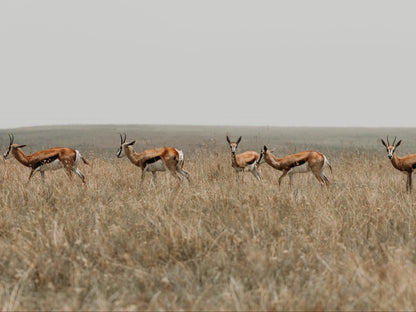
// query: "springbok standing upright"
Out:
[406,164]
[248,160]
[153,160]
[50,159]
[298,163]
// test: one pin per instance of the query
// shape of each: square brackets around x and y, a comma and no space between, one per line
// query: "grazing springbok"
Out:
[153,160]
[406,164]
[245,161]
[298,163]
[50,159]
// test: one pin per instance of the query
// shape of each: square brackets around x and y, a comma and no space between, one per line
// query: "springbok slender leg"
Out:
[282,176]
[154,174]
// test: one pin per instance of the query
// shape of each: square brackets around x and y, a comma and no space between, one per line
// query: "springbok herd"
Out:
[172,159]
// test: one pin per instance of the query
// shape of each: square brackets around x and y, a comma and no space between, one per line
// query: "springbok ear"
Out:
[398,143]
[265,148]
[384,143]
[20,146]
[239,139]
[228,140]
[131,143]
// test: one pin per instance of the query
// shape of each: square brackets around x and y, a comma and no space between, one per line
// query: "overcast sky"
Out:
[276,63]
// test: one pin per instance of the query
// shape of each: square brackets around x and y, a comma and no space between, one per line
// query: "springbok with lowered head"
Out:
[248,160]
[153,160]
[298,163]
[50,159]
[406,164]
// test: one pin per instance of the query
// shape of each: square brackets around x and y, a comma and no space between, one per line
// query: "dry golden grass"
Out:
[214,244]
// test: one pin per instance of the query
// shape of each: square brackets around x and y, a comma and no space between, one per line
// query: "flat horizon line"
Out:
[196,125]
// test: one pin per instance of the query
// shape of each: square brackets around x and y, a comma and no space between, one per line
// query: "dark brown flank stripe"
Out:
[152,160]
[297,163]
[251,162]
[45,161]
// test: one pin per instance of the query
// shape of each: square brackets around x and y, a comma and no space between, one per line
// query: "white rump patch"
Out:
[77,158]
[181,159]
[180,154]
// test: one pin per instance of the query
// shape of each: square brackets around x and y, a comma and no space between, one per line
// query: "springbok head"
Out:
[391,148]
[123,144]
[12,146]
[262,153]
[233,145]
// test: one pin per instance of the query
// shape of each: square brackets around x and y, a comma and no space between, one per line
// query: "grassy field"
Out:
[214,244]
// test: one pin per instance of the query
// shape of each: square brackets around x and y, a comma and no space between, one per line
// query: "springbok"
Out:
[406,164]
[50,159]
[248,160]
[153,160]
[298,163]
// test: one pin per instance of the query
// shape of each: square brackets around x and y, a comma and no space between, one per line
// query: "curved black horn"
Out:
[394,140]
[123,140]
[11,137]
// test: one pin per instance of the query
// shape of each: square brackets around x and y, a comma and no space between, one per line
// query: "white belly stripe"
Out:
[156,166]
[300,169]
[54,165]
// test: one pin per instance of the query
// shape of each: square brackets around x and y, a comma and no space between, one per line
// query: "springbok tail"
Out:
[84,160]
[79,156]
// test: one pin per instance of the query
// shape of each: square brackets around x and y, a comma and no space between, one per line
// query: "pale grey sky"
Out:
[277,63]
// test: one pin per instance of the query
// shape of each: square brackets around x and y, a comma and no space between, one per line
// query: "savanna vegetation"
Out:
[216,243]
